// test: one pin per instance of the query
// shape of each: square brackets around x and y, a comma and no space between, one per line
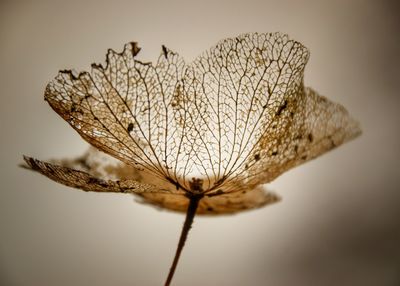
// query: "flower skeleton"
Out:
[200,137]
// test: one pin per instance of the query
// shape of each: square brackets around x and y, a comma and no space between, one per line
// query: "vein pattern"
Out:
[233,119]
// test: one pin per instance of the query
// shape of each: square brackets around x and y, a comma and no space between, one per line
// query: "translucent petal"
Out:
[86,182]
[308,126]
[232,94]
[246,199]
[125,108]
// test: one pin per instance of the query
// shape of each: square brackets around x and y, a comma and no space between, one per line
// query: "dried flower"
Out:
[200,137]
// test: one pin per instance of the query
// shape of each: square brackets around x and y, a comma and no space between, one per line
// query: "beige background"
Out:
[338,223]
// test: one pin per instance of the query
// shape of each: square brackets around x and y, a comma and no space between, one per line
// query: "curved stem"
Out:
[190,213]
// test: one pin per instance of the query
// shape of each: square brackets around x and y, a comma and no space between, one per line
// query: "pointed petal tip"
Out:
[354,129]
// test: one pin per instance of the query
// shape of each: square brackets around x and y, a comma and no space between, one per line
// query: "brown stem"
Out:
[190,213]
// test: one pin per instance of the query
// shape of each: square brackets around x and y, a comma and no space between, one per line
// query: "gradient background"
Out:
[339,221]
